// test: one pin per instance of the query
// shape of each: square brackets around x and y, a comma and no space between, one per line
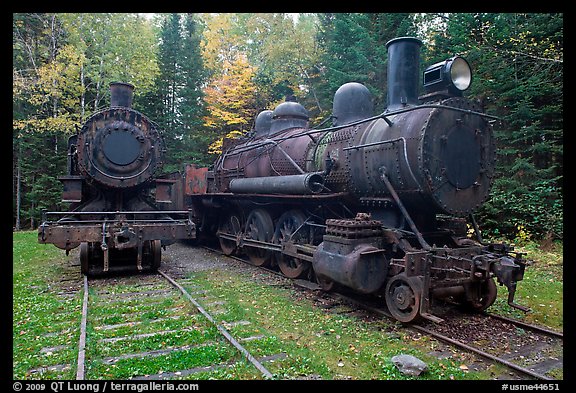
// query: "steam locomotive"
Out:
[380,204]
[121,211]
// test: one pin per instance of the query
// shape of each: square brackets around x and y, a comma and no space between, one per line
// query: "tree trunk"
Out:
[32,216]
[18,182]
[98,83]
[83,96]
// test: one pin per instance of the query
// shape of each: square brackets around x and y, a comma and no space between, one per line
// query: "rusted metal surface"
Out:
[72,188]
[112,164]
[403,71]
[355,264]
[283,154]
[308,183]
[165,190]
[351,254]
[169,191]
[121,94]
[119,148]
[196,180]
[117,230]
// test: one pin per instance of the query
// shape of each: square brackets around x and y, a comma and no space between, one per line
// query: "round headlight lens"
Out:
[460,73]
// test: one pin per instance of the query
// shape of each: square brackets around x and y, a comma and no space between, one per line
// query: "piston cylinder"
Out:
[363,267]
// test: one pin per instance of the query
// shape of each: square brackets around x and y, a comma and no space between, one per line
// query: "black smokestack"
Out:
[121,94]
[403,71]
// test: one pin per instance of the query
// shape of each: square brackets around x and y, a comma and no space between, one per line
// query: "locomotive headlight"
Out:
[460,73]
[453,75]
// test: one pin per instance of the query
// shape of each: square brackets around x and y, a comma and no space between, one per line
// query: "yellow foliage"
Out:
[522,234]
[64,123]
[216,146]
[230,97]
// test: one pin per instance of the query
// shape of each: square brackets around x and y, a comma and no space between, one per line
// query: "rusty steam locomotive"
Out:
[121,211]
[379,204]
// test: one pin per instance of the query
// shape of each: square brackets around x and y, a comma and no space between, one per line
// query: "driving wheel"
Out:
[259,226]
[230,225]
[290,227]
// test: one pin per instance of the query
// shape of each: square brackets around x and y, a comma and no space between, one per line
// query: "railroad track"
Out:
[529,355]
[536,352]
[154,342]
[156,327]
[540,353]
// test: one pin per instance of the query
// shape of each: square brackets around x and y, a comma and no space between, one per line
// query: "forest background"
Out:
[203,77]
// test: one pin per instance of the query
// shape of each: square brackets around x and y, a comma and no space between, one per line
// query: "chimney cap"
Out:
[130,85]
[413,39]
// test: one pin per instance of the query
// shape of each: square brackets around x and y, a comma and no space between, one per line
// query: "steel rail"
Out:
[451,341]
[82,342]
[482,353]
[525,325]
[220,328]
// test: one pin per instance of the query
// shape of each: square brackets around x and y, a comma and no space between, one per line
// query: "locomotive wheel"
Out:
[286,229]
[231,224]
[483,295]
[403,296]
[156,254]
[84,258]
[259,226]
[90,257]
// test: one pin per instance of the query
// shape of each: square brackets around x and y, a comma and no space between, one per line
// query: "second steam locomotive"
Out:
[379,204]
[121,209]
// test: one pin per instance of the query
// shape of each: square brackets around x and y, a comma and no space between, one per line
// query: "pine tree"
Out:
[177,102]
[193,107]
[354,50]
[518,75]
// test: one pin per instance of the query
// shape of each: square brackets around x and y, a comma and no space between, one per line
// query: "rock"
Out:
[409,365]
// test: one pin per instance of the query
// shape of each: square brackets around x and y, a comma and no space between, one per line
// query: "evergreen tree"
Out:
[169,78]
[518,75]
[177,102]
[192,106]
[354,50]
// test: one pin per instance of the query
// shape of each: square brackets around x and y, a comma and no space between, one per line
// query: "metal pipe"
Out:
[308,183]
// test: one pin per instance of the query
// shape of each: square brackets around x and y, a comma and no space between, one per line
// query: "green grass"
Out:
[39,311]
[318,343]
[325,344]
